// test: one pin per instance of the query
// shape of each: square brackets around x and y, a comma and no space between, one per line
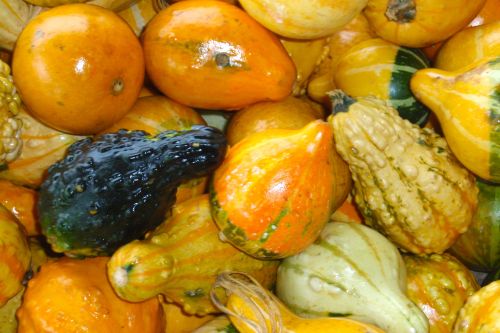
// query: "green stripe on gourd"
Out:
[407,62]
[495,128]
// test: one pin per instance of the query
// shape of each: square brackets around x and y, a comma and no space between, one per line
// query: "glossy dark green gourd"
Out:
[115,188]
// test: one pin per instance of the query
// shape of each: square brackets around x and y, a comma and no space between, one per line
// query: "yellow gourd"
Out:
[467,104]
[252,309]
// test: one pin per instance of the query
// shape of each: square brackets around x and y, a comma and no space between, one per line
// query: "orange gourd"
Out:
[347,212]
[225,62]
[178,321]
[20,201]
[419,23]
[276,189]
[15,255]
[155,114]
[71,295]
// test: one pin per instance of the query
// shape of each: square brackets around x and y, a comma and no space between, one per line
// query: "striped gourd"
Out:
[14,14]
[42,146]
[467,104]
[350,271]
[481,312]
[181,260]
[479,246]
[139,14]
[15,255]
[439,284]
[382,69]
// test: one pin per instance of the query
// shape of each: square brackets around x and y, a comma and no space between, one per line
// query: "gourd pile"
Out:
[250,166]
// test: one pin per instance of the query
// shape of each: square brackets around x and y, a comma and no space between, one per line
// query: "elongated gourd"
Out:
[253,309]
[350,271]
[181,260]
[467,104]
[276,189]
[407,183]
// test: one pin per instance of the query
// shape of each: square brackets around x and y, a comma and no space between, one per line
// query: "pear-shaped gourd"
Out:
[276,189]
[252,308]
[407,183]
[467,104]
[350,271]
[181,260]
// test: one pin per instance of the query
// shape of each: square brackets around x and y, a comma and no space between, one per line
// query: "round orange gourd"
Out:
[468,46]
[79,68]
[155,114]
[420,23]
[71,295]
[14,255]
[276,189]
[290,113]
[20,201]
[212,55]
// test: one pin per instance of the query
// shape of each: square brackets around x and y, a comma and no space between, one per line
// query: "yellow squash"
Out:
[467,104]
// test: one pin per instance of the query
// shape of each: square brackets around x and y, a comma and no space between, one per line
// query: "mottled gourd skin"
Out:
[407,183]
[115,188]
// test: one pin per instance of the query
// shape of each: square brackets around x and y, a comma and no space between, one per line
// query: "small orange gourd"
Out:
[20,201]
[72,295]
[276,189]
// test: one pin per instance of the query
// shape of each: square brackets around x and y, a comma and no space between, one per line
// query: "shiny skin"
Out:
[212,55]
[79,68]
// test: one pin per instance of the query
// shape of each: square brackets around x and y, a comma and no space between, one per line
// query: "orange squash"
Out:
[71,295]
[178,321]
[20,201]
[439,285]
[15,255]
[481,312]
[289,113]
[228,61]
[155,114]
[420,23]
[276,189]
[347,212]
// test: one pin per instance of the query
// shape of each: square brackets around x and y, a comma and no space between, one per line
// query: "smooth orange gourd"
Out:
[20,201]
[212,55]
[72,295]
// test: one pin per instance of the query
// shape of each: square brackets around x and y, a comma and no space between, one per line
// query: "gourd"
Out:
[407,183]
[322,80]
[178,321]
[350,271]
[276,189]
[155,114]
[378,68]
[42,147]
[439,284]
[468,46]
[467,104]
[71,295]
[138,15]
[420,23]
[15,258]
[481,312]
[181,260]
[115,187]
[252,308]
[347,212]
[10,125]
[220,324]
[14,15]
[303,19]
[479,246]
[20,201]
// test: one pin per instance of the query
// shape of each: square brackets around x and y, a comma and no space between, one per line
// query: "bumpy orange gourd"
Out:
[468,46]
[276,189]
[439,285]
[419,23]
[20,201]
[212,55]
[72,295]
[289,113]
[155,114]
[15,255]
[481,312]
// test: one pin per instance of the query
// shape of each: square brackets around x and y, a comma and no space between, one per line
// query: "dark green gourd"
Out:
[116,187]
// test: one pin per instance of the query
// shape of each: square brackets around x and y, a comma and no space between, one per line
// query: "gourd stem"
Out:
[340,101]
[401,11]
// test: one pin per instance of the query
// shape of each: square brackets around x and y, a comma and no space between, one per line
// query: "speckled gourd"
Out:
[407,183]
